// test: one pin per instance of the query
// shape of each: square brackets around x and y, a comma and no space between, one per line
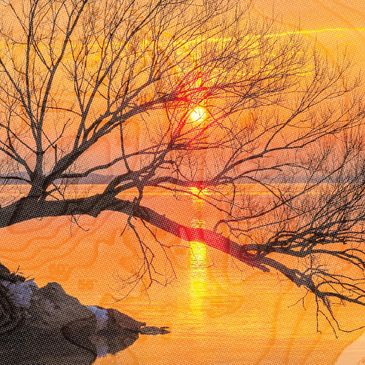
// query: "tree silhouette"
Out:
[189,94]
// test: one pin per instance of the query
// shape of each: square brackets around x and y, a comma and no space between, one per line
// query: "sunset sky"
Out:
[219,310]
[333,22]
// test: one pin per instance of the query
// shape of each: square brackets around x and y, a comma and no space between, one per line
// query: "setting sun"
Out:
[199,114]
[182,182]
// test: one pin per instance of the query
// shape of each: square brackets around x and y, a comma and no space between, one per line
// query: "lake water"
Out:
[218,310]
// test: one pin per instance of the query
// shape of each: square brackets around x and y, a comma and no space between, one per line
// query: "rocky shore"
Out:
[47,326]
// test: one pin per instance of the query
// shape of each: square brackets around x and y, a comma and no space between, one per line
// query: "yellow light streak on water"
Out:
[198,258]
[198,277]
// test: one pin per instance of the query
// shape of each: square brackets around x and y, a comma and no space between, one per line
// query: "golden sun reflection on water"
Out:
[214,304]
[198,277]
[198,259]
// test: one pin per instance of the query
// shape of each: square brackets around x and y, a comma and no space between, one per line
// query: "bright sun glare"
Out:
[199,114]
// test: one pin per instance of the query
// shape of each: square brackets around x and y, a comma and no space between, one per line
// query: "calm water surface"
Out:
[218,311]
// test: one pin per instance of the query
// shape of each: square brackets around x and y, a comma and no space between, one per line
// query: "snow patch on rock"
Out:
[101,316]
[21,292]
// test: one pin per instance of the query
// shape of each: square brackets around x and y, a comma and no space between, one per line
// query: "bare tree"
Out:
[268,110]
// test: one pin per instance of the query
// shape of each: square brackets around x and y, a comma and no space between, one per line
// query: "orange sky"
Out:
[334,23]
[339,22]
[315,13]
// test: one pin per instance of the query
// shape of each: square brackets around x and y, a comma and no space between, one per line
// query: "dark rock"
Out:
[13,277]
[56,325]
[57,329]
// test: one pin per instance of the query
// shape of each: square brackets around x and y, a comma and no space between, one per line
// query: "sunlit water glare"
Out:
[219,312]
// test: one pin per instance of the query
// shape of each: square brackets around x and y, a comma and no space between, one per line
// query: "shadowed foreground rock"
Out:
[57,329]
